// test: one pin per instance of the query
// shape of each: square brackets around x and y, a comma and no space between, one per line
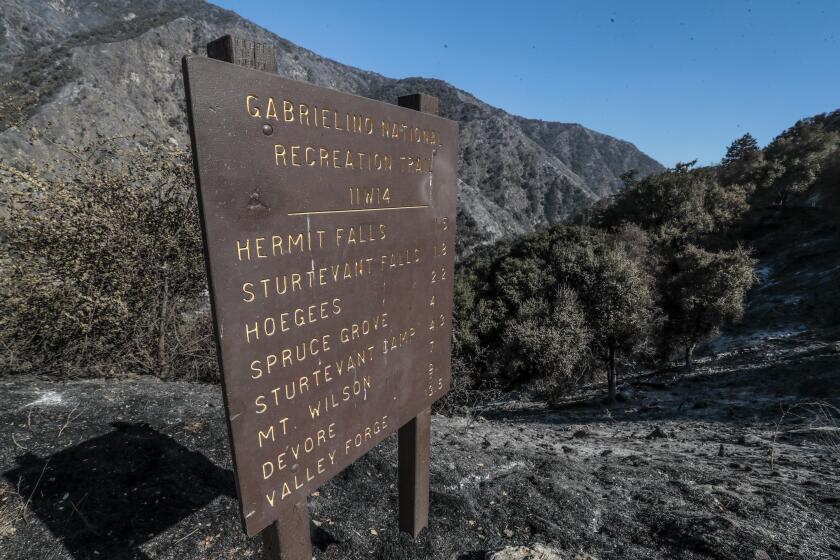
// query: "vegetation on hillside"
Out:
[644,277]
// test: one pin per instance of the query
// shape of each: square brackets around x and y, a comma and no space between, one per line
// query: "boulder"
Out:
[538,552]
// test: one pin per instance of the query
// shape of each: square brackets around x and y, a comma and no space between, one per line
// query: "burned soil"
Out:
[739,459]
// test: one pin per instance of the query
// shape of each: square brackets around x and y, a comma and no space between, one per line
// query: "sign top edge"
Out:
[197,61]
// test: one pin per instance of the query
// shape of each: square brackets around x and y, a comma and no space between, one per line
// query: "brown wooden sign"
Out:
[329,235]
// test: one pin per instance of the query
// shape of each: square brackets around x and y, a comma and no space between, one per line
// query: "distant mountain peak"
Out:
[74,68]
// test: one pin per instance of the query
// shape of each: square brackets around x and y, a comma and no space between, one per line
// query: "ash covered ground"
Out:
[739,460]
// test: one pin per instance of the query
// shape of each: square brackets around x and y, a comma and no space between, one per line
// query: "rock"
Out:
[761,555]
[657,433]
[721,451]
[580,434]
[508,533]
[538,552]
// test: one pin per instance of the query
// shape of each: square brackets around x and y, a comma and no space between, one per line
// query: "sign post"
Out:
[415,436]
[328,224]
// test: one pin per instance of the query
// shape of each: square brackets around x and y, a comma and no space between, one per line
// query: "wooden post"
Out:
[244,52]
[415,437]
[414,446]
[419,102]
[289,538]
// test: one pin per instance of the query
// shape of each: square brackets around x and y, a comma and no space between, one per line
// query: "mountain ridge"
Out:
[75,69]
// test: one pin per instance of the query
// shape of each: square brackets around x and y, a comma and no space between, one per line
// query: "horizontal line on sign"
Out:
[358,210]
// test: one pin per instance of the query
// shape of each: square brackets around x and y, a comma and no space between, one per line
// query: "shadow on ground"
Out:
[106,496]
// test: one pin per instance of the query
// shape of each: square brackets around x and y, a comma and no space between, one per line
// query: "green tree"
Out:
[679,205]
[537,312]
[743,162]
[796,157]
[545,342]
[615,291]
[741,149]
[703,291]
[541,334]
[622,309]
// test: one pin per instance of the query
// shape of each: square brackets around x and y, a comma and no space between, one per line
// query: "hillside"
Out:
[73,69]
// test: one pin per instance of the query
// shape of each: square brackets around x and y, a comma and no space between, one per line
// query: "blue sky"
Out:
[680,80]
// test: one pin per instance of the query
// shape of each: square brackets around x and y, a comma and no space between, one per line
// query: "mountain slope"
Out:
[597,158]
[74,69]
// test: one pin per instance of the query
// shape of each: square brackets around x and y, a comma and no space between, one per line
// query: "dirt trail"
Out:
[140,469]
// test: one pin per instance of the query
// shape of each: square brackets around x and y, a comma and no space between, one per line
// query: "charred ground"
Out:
[737,460]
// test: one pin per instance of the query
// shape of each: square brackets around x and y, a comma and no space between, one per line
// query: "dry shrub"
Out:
[824,425]
[465,397]
[817,421]
[101,268]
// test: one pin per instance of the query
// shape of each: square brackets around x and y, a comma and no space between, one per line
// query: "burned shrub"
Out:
[101,268]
